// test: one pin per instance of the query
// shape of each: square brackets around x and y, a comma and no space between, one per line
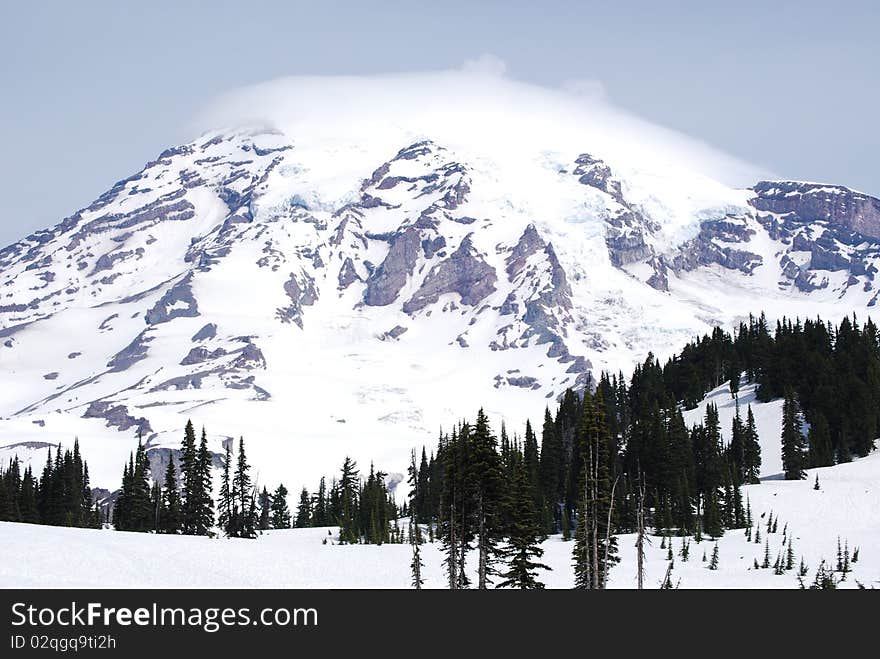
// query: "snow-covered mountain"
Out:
[326,297]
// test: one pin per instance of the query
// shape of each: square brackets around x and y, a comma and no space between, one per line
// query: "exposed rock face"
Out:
[118,416]
[301,293]
[463,272]
[529,244]
[131,354]
[711,246]
[837,227]
[808,202]
[385,283]
[347,274]
[627,228]
[178,302]
[395,332]
[251,357]
[199,355]
[208,331]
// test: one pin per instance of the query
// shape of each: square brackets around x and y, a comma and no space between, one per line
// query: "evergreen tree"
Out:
[821,452]
[244,514]
[713,562]
[484,476]
[523,547]
[171,517]
[349,531]
[281,513]
[793,456]
[190,480]
[204,499]
[226,502]
[265,510]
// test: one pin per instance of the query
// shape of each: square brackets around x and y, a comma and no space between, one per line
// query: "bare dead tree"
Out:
[594,517]
[588,578]
[640,538]
[608,534]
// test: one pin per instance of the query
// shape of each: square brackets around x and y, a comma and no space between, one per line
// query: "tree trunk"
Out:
[483,548]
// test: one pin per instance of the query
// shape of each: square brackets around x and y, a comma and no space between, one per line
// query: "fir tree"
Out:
[281,517]
[523,547]
[793,458]
[713,562]
[190,478]
[171,519]
[751,450]
[265,510]
[226,501]
[204,512]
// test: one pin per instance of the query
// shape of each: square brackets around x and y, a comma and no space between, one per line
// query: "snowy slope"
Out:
[351,281]
[31,556]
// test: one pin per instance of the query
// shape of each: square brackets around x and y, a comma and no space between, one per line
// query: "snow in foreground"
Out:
[845,506]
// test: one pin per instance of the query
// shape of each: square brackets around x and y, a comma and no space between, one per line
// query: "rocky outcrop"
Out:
[250,357]
[626,227]
[464,272]
[347,274]
[130,354]
[199,355]
[713,245]
[808,202]
[385,283]
[302,293]
[530,243]
[117,416]
[177,302]
[208,331]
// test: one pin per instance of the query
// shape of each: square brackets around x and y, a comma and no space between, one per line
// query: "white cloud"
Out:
[477,108]
[486,63]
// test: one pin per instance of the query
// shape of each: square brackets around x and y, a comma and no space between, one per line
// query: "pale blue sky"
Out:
[92,90]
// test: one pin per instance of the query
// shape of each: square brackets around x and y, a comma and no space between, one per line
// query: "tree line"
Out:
[615,459]
[61,496]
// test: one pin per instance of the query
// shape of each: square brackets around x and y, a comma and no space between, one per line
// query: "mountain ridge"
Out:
[235,273]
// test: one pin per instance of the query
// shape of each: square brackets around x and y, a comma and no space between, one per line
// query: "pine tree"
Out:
[265,510]
[28,499]
[821,452]
[667,578]
[485,477]
[205,501]
[349,531]
[824,579]
[523,547]
[793,456]
[281,513]
[191,483]
[415,538]
[595,550]
[802,568]
[226,501]
[751,450]
[244,523]
[171,519]
[713,562]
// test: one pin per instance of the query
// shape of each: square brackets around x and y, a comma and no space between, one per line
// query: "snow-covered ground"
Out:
[845,506]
